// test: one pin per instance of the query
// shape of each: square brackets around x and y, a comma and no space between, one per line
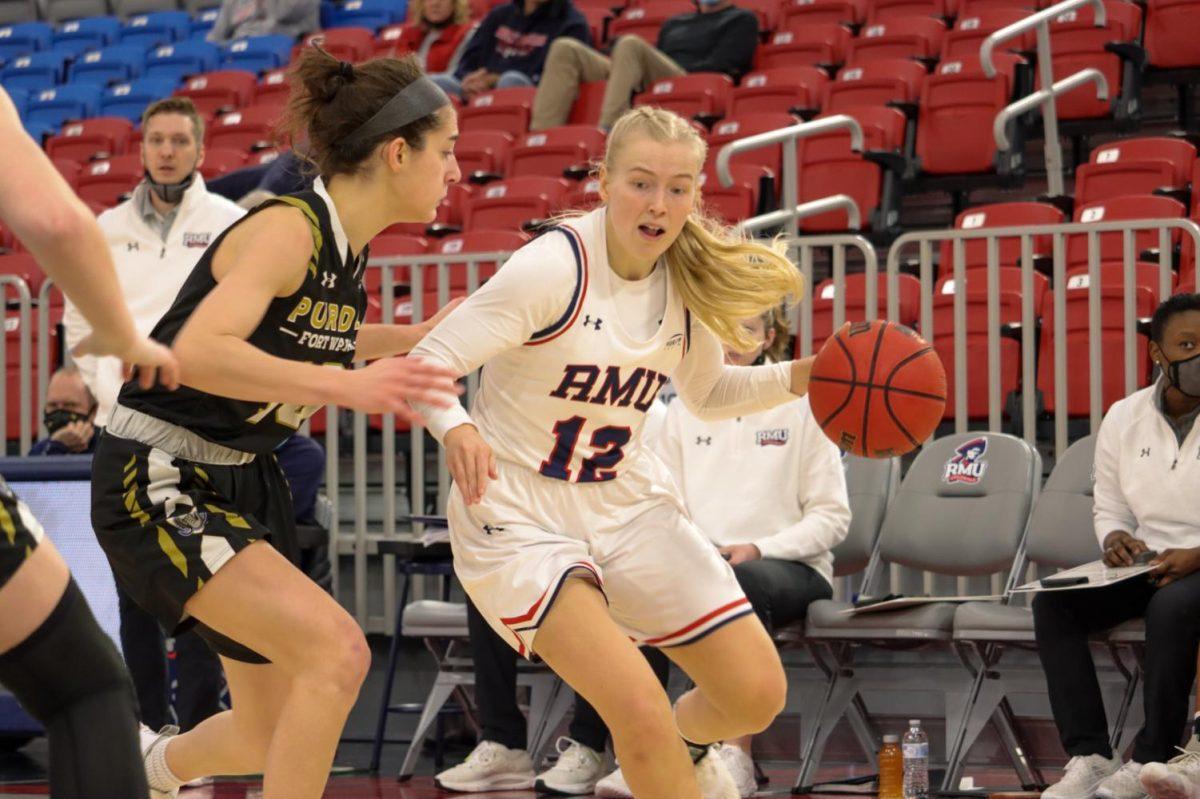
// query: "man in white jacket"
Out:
[157,235]
[1147,467]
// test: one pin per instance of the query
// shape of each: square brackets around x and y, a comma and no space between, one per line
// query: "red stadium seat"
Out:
[552,151]
[220,160]
[482,151]
[104,182]
[345,44]
[68,169]
[728,130]
[98,137]
[828,166]
[509,204]
[451,211]
[1111,245]
[885,10]
[1135,166]
[799,14]
[588,104]
[901,37]
[24,266]
[584,197]
[1078,44]
[737,202]
[387,245]
[767,11]
[1170,33]
[698,95]
[505,110]
[245,129]
[976,334]
[874,83]
[1112,333]
[12,337]
[908,293]
[220,92]
[472,241]
[646,20]
[778,90]
[273,89]
[1008,250]
[969,32]
[958,104]
[812,45]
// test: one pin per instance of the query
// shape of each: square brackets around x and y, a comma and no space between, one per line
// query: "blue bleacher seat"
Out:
[128,100]
[34,71]
[374,14]
[328,7]
[18,96]
[175,61]
[203,22]
[56,106]
[95,32]
[258,53]
[116,64]
[39,130]
[24,38]
[157,28]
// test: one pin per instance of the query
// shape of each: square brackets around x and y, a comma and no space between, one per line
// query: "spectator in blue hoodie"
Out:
[509,47]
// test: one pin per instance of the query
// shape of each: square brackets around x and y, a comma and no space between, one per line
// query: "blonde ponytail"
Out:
[721,276]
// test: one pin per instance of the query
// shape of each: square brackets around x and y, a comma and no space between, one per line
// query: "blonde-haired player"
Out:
[577,333]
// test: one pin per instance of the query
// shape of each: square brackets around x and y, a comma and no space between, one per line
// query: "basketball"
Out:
[877,389]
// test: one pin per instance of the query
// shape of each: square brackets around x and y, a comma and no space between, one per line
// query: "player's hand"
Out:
[801,369]
[470,460]
[1173,564]
[1120,548]
[740,553]
[75,436]
[152,361]
[389,385]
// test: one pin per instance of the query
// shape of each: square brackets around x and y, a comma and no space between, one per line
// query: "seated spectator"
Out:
[1146,463]
[252,185]
[718,38]
[436,32]
[238,19]
[509,47]
[791,509]
[69,416]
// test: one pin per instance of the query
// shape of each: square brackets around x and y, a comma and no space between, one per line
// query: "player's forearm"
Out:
[228,366]
[381,341]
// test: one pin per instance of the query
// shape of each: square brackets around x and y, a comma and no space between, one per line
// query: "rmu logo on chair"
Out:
[967,465]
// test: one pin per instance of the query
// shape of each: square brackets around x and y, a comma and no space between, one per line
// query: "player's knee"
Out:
[342,659]
[760,696]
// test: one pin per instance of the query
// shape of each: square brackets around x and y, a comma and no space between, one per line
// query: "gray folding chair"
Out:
[1061,536]
[443,626]
[13,11]
[961,511]
[63,10]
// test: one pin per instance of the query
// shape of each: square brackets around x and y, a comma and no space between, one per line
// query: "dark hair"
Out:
[330,99]
[177,105]
[1171,306]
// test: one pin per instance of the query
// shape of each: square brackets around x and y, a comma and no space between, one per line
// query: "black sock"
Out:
[695,750]
[1196,726]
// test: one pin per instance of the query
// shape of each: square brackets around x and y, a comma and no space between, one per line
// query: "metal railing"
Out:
[23,321]
[1040,21]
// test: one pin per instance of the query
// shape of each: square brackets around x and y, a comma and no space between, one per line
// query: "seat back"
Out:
[1061,533]
[962,508]
[778,90]
[994,215]
[870,483]
[906,37]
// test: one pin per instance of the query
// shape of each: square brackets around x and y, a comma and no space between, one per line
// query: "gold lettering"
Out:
[302,308]
[319,315]
[332,322]
[346,318]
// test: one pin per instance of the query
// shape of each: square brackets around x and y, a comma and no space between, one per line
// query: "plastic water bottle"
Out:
[916,761]
[891,769]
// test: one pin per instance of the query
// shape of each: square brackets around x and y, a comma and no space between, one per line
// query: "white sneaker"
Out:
[148,740]
[1082,777]
[1178,778]
[490,766]
[741,768]
[576,772]
[712,775]
[1124,784]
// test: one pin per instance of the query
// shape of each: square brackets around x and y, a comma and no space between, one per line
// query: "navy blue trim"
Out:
[687,331]
[562,580]
[709,631]
[569,314]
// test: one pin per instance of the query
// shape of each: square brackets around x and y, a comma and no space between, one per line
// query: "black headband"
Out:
[416,100]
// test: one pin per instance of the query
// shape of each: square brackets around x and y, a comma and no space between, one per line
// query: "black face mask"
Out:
[1185,375]
[761,359]
[170,192]
[59,418]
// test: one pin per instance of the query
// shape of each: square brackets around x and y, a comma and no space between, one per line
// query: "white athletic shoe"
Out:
[1082,777]
[711,773]
[575,773]
[741,768]
[1124,784]
[149,740]
[1178,778]
[490,766]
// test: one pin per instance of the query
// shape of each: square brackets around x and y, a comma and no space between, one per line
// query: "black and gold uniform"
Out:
[20,533]
[183,480]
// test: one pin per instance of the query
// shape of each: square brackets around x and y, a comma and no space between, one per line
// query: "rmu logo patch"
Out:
[189,523]
[772,438]
[967,465]
[196,239]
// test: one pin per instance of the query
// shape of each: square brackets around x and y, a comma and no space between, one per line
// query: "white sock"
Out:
[158,773]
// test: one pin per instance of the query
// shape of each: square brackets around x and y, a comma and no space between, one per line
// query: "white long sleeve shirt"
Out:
[150,269]
[568,378]
[1145,479]
[770,478]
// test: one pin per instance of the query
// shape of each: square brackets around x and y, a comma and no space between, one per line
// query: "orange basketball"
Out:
[877,389]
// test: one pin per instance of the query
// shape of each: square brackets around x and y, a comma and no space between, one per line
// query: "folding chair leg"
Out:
[962,726]
[1029,774]
[860,723]
[542,727]
[843,690]
[1129,715]
[441,691]
[388,682]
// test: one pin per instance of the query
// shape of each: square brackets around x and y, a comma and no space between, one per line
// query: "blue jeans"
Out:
[508,80]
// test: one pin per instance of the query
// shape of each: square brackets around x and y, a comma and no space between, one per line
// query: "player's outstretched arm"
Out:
[380,341]
[268,259]
[61,233]
[713,390]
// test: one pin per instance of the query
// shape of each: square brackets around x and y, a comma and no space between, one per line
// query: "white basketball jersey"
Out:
[570,403]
